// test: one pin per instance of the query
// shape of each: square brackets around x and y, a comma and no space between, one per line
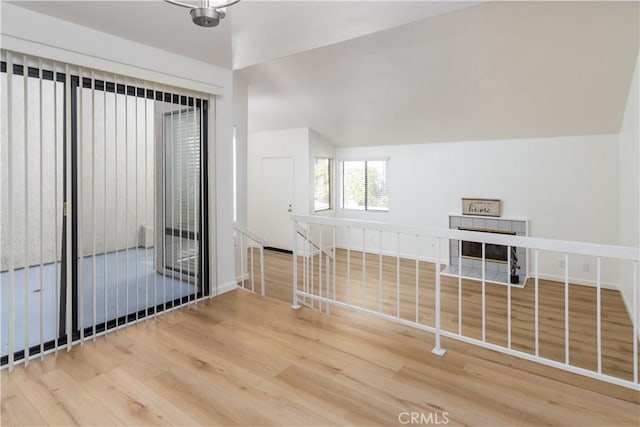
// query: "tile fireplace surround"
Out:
[495,272]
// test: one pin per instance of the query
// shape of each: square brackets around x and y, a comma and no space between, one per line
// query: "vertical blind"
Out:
[85,160]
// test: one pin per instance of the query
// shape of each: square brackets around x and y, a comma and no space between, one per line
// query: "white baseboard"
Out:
[242,278]
[224,288]
[577,281]
[393,254]
[314,253]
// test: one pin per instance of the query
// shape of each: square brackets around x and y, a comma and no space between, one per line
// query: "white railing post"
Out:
[536,303]
[437,350]
[335,254]
[295,304]
[327,282]
[599,312]
[635,321]
[262,270]
[566,308]
[459,287]
[484,290]
[242,259]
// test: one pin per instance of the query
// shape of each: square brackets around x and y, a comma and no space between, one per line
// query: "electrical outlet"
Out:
[586,267]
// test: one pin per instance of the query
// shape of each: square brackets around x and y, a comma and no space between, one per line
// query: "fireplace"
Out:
[495,253]
[495,268]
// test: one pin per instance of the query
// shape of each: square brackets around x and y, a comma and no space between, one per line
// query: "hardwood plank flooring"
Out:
[242,359]
[384,296]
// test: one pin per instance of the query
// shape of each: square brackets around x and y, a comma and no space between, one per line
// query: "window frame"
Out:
[366,177]
[329,184]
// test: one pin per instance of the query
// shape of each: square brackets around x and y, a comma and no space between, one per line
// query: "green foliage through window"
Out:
[364,185]
[322,184]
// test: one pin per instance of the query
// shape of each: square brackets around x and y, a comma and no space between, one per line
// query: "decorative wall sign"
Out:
[481,207]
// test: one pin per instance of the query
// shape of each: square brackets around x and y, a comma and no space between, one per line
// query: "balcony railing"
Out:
[394,273]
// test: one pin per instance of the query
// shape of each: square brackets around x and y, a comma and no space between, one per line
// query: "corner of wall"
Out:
[629,185]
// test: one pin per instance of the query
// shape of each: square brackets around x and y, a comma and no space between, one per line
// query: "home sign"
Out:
[481,207]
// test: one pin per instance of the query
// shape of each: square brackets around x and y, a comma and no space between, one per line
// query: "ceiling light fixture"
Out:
[208,14]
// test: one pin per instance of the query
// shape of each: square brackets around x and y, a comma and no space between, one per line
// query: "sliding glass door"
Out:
[139,202]
[102,203]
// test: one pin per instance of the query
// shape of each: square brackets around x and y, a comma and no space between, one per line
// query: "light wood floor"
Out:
[617,330]
[241,359]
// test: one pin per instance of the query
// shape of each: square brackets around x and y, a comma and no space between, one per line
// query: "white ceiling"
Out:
[254,31]
[154,23]
[492,71]
[265,30]
[390,72]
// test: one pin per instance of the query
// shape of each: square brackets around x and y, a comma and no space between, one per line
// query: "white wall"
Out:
[41,35]
[629,179]
[240,121]
[566,187]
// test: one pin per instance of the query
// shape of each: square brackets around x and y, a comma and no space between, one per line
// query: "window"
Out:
[364,185]
[322,184]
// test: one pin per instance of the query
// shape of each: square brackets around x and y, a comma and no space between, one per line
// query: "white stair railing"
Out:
[379,247]
[246,243]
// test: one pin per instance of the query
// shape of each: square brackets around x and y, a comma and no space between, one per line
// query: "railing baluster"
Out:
[312,250]
[380,275]
[335,256]
[305,263]
[327,267]
[253,288]
[242,259]
[598,312]
[509,297]
[417,278]
[320,268]
[294,300]
[397,274]
[537,323]
[262,267]
[348,265]
[364,267]
[566,308]
[309,266]
[484,329]
[459,287]
[635,321]
[437,350]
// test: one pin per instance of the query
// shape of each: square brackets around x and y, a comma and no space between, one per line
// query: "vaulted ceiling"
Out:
[367,73]
[497,70]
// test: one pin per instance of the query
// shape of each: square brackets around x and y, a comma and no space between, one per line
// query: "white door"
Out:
[277,197]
